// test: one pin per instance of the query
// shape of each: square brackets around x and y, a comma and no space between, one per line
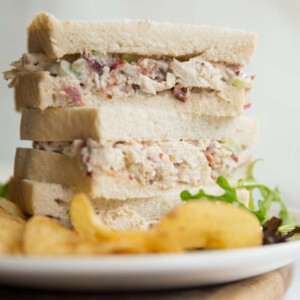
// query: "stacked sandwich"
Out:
[130,113]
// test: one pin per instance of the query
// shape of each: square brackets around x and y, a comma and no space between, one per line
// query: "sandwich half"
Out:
[39,198]
[53,200]
[131,152]
[187,68]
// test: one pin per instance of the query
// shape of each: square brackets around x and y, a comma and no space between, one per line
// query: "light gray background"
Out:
[276,64]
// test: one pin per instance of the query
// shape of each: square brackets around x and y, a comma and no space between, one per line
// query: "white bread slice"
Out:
[37,198]
[125,123]
[56,38]
[51,167]
[39,90]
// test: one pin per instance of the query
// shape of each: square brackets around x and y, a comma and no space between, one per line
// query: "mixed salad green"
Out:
[281,227]
[4,190]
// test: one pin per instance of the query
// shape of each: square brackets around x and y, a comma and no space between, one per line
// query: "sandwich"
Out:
[194,69]
[130,113]
[131,159]
[53,200]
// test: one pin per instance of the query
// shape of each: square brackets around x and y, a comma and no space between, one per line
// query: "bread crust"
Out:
[40,90]
[35,90]
[127,123]
[57,38]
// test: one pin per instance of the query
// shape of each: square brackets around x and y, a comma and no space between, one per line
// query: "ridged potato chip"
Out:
[86,222]
[11,234]
[211,225]
[44,236]
[195,224]
[10,208]
[3,212]
[90,227]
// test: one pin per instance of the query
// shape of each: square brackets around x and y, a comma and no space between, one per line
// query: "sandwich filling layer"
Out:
[112,76]
[164,164]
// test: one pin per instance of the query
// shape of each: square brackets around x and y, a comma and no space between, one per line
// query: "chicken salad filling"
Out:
[162,163]
[112,75]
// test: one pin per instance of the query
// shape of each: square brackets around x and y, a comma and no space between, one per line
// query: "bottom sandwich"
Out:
[37,198]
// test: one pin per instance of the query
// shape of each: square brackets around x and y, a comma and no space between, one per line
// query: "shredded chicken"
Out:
[160,163]
[113,76]
[197,72]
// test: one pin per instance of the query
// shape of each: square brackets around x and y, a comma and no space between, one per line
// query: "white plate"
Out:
[132,272]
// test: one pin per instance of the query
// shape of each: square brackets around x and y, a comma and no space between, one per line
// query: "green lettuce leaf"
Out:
[259,206]
[4,190]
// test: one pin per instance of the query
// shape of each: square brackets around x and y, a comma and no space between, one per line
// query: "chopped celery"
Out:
[65,71]
[68,152]
[232,145]
[132,169]
[241,83]
[129,57]
[79,68]
[104,59]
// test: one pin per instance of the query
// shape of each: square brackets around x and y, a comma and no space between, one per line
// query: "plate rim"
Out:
[150,262]
[127,271]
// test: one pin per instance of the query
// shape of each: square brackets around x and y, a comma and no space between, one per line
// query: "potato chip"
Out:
[85,221]
[91,227]
[11,231]
[10,208]
[3,212]
[44,236]
[211,224]
[196,224]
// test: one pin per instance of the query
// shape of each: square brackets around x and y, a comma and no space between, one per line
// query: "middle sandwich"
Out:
[129,152]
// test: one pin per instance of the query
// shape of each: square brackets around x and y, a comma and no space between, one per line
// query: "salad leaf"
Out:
[288,228]
[4,190]
[230,196]
[267,197]
[275,233]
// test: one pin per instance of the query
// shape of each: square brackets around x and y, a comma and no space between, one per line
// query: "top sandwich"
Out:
[186,68]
